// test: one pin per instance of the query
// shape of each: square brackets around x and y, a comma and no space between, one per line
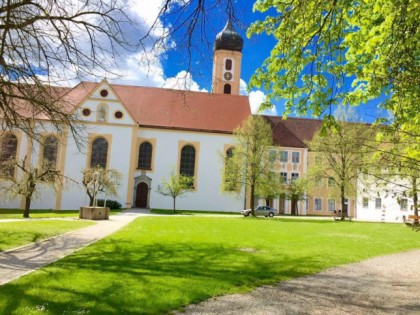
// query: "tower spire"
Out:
[227,58]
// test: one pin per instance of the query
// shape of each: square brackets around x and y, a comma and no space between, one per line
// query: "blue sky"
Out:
[169,67]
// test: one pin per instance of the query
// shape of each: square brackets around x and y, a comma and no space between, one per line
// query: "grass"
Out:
[158,264]
[18,213]
[189,212]
[15,234]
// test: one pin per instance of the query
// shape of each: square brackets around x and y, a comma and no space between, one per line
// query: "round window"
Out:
[118,114]
[104,93]
[86,112]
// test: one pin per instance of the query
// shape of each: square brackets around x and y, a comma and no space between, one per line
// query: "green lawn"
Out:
[18,214]
[158,264]
[15,234]
[189,212]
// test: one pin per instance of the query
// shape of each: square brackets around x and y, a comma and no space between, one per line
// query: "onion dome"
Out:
[229,39]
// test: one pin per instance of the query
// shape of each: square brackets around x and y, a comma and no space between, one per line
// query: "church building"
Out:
[145,133]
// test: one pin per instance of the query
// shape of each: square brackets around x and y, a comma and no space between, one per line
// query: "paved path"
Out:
[381,285]
[23,260]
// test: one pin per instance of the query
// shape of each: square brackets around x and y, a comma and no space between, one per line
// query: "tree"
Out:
[333,52]
[108,182]
[250,165]
[45,43]
[176,186]
[340,155]
[26,184]
[296,191]
[269,187]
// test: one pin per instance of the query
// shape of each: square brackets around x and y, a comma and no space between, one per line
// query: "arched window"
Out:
[49,153]
[228,64]
[227,89]
[8,152]
[230,172]
[99,152]
[187,160]
[145,156]
[229,153]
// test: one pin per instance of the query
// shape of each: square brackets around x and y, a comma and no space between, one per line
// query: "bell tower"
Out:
[227,58]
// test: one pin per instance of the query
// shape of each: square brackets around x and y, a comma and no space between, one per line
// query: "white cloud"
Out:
[182,81]
[141,65]
[256,98]
[242,87]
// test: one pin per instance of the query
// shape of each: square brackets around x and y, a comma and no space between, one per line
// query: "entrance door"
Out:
[282,204]
[294,207]
[141,197]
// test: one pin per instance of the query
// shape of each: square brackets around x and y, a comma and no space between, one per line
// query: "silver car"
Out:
[261,210]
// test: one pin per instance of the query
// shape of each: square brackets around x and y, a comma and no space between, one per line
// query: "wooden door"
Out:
[142,194]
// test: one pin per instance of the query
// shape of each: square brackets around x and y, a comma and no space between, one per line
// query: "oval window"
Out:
[118,114]
[104,93]
[86,112]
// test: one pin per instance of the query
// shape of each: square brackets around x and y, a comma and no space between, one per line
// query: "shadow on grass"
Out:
[146,279]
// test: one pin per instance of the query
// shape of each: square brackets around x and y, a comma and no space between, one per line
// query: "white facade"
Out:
[382,203]
[124,136]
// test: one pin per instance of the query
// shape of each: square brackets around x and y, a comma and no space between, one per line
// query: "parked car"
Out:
[261,210]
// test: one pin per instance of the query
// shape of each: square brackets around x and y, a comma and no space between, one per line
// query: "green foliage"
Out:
[269,187]
[109,181]
[344,152]
[176,186]
[321,45]
[159,264]
[112,204]
[249,165]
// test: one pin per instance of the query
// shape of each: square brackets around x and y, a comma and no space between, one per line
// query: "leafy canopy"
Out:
[333,52]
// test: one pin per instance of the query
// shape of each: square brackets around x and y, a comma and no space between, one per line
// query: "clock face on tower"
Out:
[228,76]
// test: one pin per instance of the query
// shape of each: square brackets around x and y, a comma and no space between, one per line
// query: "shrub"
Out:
[112,204]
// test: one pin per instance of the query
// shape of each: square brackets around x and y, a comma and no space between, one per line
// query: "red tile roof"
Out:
[165,108]
[176,109]
[292,132]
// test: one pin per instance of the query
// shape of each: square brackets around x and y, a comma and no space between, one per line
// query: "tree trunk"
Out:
[415,197]
[90,198]
[252,199]
[27,207]
[174,204]
[28,198]
[343,201]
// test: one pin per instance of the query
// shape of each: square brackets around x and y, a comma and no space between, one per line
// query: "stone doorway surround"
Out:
[142,179]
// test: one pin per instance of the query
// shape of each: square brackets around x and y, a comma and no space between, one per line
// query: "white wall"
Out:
[390,210]
[208,195]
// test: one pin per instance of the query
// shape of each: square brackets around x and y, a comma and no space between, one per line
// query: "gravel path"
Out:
[23,260]
[382,285]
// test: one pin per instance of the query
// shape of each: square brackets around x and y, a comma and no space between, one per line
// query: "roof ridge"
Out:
[172,90]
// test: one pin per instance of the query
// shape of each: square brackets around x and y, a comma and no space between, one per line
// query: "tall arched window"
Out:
[99,152]
[228,64]
[230,172]
[229,153]
[227,89]
[145,156]
[8,152]
[187,160]
[49,153]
